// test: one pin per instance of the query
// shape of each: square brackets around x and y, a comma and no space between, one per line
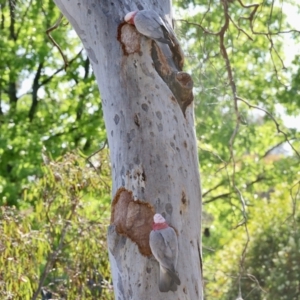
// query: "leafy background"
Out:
[55,198]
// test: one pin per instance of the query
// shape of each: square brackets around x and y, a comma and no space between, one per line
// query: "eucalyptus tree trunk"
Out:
[148,110]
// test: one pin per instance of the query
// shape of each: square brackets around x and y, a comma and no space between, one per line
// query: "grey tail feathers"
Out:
[168,280]
[167,37]
[174,277]
[165,41]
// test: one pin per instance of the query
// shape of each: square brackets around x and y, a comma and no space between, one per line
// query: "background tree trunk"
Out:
[152,147]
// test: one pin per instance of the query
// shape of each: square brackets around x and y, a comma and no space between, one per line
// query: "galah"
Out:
[151,25]
[164,247]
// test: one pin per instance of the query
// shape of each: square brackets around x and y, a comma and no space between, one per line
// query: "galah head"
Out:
[158,218]
[159,222]
[129,18]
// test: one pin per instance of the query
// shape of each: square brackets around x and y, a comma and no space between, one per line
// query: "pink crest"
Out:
[129,18]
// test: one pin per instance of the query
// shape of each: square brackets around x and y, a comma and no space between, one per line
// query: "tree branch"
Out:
[213,188]
[212,199]
[274,147]
[12,7]
[53,255]
[12,92]
[48,79]
[55,26]
[23,18]
[35,88]
[259,178]
[274,120]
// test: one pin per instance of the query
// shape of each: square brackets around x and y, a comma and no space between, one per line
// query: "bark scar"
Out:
[133,219]
[170,70]
[129,38]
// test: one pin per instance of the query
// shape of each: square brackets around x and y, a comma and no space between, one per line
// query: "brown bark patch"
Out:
[162,64]
[180,83]
[183,198]
[184,203]
[143,176]
[136,120]
[129,38]
[133,218]
[173,98]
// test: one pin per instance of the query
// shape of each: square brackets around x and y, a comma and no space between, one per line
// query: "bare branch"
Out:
[198,25]
[212,199]
[55,26]
[12,7]
[23,18]
[48,79]
[294,196]
[259,178]
[274,147]
[99,150]
[35,88]
[275,122]
[240,29]
[53,255]
[206,12]
[252,14]
[213,188]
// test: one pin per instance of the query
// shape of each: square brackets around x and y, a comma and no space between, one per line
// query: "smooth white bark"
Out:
[152,146]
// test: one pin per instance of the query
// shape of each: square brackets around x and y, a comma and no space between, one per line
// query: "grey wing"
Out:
[150,24]
[164,247]
[169,29]
[166,29]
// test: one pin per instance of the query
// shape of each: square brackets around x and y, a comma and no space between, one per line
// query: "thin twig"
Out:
[53,255]
[259,178]
[213,188]
[198,25]
[48,79]
[55,26]
[21,22]
[206,12]
[274,147]
[274,120]
[240,29]
[294,203]
[212,199]
[89,157]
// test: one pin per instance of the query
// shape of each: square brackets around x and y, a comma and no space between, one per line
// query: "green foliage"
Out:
[60,243]
[271,267]
[40,103]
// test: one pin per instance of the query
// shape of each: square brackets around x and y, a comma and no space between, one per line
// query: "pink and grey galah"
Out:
[164,247]
[151,25]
